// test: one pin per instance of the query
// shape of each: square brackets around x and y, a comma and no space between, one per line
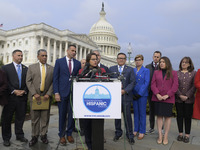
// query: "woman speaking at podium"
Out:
[91,70]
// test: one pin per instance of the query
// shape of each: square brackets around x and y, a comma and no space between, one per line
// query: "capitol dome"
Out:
[103,34]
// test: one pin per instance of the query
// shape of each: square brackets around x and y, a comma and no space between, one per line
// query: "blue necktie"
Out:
[120,70]
[19,73]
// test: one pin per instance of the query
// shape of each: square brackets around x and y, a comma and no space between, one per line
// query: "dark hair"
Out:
[189,60]
[168,66]
[41,50]
[158,52]
[71,45]
[121,54]
[15,51]
[88,57]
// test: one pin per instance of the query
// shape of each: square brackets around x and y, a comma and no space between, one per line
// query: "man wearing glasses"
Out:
[152,67]
[126,75]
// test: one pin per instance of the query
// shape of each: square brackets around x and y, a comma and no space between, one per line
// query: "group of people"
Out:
[156,83]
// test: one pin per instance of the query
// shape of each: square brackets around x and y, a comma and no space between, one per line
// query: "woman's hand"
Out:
[165,97]
[159,97]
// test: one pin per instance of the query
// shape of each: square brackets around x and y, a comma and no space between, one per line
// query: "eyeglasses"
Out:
[121,58]
[93,59]
[138,60]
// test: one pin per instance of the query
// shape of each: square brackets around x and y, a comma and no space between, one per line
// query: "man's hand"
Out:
[160,98]
[123,92]
[37,97]
[57,97]
[19,92]
[46,97]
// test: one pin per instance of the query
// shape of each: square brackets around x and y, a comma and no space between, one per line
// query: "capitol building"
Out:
[33,37]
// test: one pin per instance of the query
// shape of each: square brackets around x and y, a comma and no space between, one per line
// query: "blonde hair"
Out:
[139,56]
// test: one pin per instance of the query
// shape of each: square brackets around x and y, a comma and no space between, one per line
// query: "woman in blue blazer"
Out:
[140,93]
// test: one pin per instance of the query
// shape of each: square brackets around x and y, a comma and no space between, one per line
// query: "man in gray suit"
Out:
[39,81]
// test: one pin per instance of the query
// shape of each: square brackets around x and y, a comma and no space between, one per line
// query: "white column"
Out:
[66,46]
[81,52]
[42,42]
[48,51]
[85,53]
[77,53]
[60,50]
[54,52]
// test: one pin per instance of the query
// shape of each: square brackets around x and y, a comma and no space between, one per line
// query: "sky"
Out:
[170,26]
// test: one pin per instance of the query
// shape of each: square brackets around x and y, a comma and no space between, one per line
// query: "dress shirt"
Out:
[72,64]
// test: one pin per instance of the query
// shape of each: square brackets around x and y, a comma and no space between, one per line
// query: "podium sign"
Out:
[97,100]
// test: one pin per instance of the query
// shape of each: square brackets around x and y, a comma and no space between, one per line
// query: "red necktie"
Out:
[70,67]
[155,66]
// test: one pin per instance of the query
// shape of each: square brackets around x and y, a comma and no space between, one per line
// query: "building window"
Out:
[52,58]
[13,44]
[39,42]
[26,42]
[7,59]
[8,45]
[2,46]
[20,43]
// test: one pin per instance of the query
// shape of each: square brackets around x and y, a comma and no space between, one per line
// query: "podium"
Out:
[97,101]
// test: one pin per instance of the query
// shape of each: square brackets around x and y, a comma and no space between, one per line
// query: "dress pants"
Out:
[139,107]
[151,111]
[1,109]
[18,106]
[63,107]
[88,132]
[71,122]
[126,109]
[40,121]
[184,114]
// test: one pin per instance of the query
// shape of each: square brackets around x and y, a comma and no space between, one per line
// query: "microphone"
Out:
[110,74]
[99,71]
[94,71]
[85,70]
[121,77]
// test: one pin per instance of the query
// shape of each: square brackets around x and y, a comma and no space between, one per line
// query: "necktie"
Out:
[70,67]
[19,73]
[43,78]
[156,66]
[120,70]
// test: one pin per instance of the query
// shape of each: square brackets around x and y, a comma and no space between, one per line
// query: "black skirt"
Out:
[163,109]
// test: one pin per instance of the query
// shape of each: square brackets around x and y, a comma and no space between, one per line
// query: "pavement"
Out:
[148,143]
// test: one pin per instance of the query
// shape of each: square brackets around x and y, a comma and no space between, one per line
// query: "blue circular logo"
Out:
[97,98]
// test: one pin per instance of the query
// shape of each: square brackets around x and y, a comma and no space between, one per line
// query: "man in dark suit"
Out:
[152,66]
[39,81]
[17,101]
[126,74]
[65,68]
[99,59]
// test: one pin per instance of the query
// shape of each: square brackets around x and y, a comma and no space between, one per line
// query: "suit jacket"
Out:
[13,81]
[152,69]
[186,86]
[61,76]
[163,86]
[33,80]
[142,78]
[104,67]
[128,82]
[196,110]
[3,88]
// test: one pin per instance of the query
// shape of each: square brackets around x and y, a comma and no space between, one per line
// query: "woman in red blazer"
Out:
[164,85]
[196,111]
